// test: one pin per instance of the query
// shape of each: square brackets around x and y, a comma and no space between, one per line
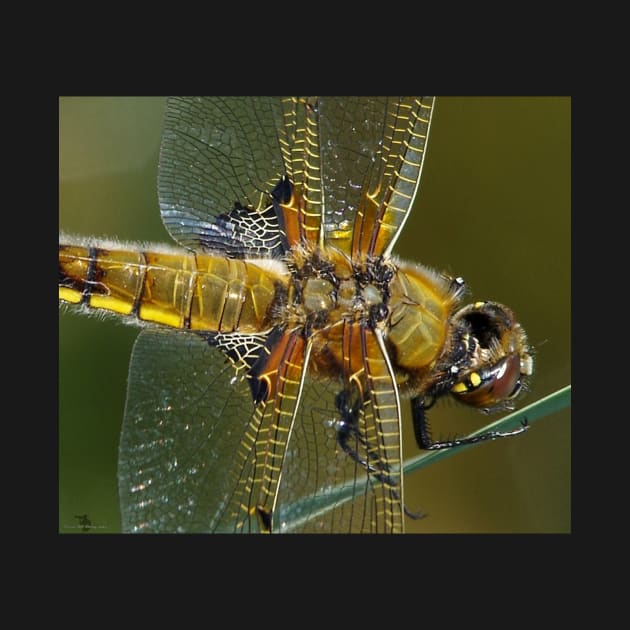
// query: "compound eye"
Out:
[491,386]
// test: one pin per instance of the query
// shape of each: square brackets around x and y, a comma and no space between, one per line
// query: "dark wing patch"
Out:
[245,233]
[215,152]
[249,354]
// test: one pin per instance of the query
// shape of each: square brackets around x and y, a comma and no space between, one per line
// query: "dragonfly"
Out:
[282,336]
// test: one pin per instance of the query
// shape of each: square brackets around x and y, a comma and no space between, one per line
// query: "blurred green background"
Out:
[494,207]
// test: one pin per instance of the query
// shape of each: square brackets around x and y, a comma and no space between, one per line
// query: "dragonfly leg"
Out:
[348,430]
[425,441]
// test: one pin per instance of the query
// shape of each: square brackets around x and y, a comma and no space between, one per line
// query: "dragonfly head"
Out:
[497,359]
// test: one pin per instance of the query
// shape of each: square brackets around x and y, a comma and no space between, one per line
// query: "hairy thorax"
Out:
[408,303]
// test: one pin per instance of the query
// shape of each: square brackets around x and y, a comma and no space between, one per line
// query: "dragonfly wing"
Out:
[217,155]
[184,419]
[354,164]
[323,488]
[255,475]
[196,453]
[372,152]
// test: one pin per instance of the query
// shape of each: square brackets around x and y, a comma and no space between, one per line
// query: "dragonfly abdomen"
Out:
[195,292]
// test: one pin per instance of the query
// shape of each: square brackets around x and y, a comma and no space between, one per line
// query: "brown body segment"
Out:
[195,292]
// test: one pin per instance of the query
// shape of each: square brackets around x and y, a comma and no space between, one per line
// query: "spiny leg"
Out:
[423,435]
[348,429]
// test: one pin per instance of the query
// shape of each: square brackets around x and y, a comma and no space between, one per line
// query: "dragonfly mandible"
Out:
[282,337]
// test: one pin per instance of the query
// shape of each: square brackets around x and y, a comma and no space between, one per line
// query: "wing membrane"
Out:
[184,419]
[388,195]
[353,162]
[216,152]
[372,151]
[196,456]
[256,473]
[323,488]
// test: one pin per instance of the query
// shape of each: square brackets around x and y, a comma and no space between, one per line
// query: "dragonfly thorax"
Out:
[327,288]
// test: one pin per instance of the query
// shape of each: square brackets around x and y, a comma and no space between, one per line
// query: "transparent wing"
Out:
[184,419]
[352,166]
[370,152]
[197,456]
[216,152]
[255,474]
[324,488]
